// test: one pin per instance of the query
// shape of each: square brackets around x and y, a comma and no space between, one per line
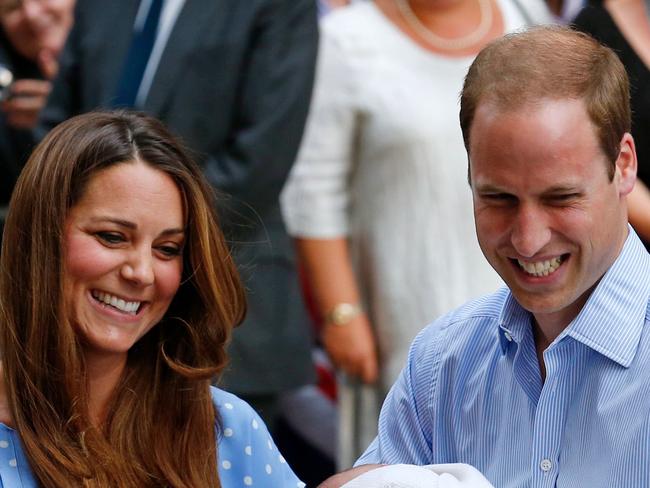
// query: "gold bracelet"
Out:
[342,314]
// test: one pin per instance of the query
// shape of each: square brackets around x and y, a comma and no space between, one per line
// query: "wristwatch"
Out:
[343,313]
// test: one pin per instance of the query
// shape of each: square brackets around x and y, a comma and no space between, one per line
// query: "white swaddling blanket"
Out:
[432,476]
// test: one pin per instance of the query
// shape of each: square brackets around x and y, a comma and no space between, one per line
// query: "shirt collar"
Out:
[512,322]
[612,320]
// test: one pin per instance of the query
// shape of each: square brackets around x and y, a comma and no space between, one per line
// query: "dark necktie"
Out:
[136,60]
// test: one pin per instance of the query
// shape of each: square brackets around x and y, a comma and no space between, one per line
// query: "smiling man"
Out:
[545,383]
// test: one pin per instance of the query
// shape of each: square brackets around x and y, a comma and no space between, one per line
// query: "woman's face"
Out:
[123,246]
[36,25]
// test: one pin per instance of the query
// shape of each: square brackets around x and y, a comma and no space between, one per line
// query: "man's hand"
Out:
[342,478]
[27,99]
[352,348]
[48,63]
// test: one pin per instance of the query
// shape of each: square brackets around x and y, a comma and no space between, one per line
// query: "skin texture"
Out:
[541,191]
[124,237]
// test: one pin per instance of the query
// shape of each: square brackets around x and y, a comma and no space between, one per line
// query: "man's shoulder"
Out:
[454,331]
[485,308]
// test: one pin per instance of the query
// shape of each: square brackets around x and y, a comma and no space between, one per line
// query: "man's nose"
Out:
[138,267]
[530,231]
[32,9]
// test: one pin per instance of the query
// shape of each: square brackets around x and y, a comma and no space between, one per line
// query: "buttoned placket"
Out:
[551,412]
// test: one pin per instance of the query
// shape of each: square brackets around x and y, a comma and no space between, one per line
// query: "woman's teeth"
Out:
[540,268]
[115,302]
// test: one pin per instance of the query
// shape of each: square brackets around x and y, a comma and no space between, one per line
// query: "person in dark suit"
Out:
[234,80]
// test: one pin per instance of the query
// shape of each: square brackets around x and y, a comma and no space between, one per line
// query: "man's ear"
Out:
[626,165]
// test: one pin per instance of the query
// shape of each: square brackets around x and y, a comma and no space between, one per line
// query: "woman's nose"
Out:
[138,268]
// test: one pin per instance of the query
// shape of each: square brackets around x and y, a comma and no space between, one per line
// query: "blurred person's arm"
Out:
[316,206]
[638,204]
[331,281]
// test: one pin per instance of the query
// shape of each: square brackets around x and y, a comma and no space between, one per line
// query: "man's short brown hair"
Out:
[554,63]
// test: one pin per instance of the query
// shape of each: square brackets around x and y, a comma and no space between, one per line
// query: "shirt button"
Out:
[508,336]
[546,465]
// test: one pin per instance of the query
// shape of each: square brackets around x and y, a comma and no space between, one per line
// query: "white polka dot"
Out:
[12,463]
[4,444]
[248,480]
[226,465]
[268,468]
[248,450]
[281,459]
[227,432]
[228,406]
[270,444]
[255,424]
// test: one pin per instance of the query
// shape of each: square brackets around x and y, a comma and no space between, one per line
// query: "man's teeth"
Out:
[118,303]
[540,268]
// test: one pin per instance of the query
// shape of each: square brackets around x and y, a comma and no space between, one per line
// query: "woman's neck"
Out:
[446,19]
[104,373]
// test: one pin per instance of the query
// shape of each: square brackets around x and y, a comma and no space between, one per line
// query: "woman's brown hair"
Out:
[161,426]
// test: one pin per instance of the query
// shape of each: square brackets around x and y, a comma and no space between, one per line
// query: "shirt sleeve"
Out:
[405,422]
[315,201]
[247,454]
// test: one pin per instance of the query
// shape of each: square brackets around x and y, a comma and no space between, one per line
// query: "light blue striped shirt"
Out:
[471,391]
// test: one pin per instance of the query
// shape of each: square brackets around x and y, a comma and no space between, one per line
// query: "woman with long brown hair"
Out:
[117,297]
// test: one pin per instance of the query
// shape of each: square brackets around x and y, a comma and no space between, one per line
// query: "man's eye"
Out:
[499,198]
[564,198]
[110,237]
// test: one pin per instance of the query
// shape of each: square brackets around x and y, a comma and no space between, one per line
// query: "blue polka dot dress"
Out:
[247,454]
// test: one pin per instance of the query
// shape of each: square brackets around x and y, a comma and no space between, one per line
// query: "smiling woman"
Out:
[117,296]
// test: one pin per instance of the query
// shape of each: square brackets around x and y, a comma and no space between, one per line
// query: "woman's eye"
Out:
[110,237]
[170,251]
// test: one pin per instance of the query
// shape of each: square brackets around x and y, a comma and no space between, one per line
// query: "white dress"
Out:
[383,163]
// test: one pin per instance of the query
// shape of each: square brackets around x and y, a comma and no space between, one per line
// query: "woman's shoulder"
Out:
[247,454]
[233,410]
[235,415]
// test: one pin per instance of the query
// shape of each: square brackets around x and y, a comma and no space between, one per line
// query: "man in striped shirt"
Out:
[545,383]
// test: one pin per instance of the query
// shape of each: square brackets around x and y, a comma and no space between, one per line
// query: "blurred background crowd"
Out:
[330,130]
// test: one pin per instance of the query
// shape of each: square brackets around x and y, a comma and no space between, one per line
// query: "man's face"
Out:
[36,25]
[548,218]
